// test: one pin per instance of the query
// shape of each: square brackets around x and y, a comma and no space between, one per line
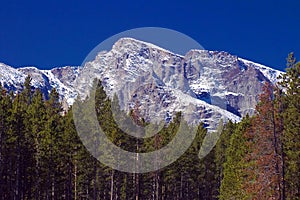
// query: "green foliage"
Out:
[235,165]
[220,150]
[291,133]
[42,156]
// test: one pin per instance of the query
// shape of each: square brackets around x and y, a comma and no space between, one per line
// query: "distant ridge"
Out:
[207,85]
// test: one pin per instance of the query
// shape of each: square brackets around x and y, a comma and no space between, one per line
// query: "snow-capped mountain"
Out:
[61,78]
[205,85]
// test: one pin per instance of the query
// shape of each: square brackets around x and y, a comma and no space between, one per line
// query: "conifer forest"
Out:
[42,156]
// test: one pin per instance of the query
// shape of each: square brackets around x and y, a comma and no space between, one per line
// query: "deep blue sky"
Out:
[58,33]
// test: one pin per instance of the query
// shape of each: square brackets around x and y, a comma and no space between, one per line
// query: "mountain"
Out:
[61,78]
[205,85]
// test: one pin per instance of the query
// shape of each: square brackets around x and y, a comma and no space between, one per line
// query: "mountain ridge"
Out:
[211,85]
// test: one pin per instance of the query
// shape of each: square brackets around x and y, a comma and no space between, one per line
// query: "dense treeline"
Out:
[262,155]
[42,157]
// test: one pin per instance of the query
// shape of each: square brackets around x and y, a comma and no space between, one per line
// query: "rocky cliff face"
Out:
[205,85]
[61,78]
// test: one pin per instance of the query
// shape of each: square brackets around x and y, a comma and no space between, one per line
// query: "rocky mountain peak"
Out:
[206,85]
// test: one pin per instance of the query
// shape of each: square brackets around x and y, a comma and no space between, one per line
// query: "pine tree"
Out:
[264,178]
[51,143]
[220,150]
[290,84]
[28,151]
[16,141]
[37,119]
[5,112]
[235,165]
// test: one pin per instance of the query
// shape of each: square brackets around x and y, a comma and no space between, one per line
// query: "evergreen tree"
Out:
[37,119]
[17,146]
[207,182]
[235,165]
[220,150]
[290,84]
[51,144]
[264,178]
[5,171]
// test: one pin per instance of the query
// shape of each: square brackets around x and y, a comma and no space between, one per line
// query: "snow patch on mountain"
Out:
[206,85]
[268,72]
[130,41]
[10,77]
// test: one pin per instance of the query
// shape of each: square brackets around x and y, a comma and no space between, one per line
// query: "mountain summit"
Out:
[205,85]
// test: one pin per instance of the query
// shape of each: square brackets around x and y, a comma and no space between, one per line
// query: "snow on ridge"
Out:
[187,99]
[28,67]
[4,68]
[55,81]
[10,75]
[269,72]
[136,64]
[153,46]
[205,51]
[210,51]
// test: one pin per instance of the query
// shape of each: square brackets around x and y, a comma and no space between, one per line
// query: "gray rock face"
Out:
[61,78]
[205,85]
[224,80]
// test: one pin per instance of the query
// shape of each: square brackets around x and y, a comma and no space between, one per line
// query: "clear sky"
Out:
[54,33]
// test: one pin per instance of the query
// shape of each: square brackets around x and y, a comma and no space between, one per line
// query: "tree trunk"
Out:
[112,185]
[75,181]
